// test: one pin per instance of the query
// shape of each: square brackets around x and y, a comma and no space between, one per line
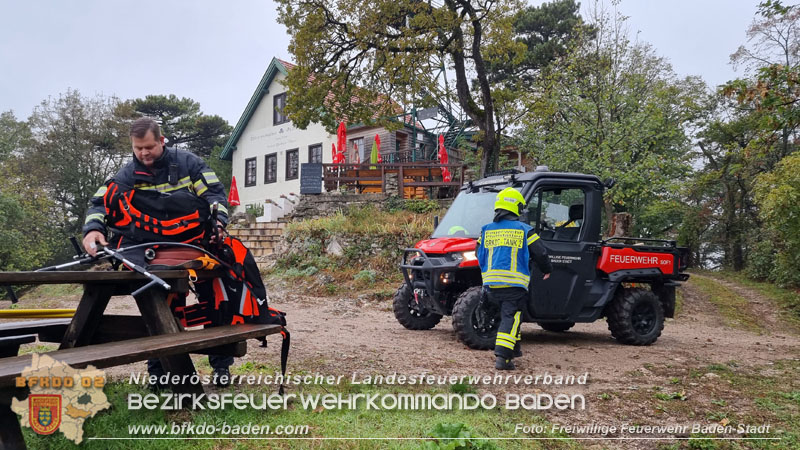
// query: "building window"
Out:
[278,103]
[249,172]
[315,153]
[271,171]
[358,150]
[292,164]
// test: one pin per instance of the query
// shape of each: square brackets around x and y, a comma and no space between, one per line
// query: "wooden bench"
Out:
[34,327]
[111,328]
[133,350]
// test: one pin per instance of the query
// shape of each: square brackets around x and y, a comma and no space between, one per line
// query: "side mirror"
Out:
[609,183]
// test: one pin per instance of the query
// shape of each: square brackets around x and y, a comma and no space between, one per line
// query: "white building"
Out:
[266,149]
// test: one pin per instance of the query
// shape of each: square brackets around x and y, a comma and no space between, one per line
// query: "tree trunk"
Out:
[482,115]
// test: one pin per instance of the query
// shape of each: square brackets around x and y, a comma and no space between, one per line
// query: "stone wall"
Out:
[321,205]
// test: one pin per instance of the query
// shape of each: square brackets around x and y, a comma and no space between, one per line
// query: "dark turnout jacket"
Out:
[176,172]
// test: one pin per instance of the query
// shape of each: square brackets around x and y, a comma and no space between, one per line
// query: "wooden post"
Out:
[158,319]
[401,187]
[10,431]
[88,315]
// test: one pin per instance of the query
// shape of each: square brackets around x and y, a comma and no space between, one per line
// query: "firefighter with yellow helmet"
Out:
[506,247]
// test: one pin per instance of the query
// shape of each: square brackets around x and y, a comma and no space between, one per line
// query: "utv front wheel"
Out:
[636,317]
[411,314]
[476,320]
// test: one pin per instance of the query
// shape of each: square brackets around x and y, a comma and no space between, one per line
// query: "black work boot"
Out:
[502,363]
[222,377]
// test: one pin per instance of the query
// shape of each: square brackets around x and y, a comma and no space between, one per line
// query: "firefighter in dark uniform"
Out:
[179,177]
[506,248]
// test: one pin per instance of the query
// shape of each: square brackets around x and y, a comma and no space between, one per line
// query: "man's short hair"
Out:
[141,126]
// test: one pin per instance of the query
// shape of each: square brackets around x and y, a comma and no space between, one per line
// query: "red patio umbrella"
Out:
[233,195]
[378,143]
[334,153]
[443,160]
[341,137]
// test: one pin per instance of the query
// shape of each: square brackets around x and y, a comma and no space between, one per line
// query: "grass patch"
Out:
[732,307]
[433,428]
[788,300]
[736,396]
[37,348]
[371,241]
[55,290]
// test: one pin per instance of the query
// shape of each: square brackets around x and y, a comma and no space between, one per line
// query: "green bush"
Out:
[761,261]
[778,196]
[366,277]
[255,210]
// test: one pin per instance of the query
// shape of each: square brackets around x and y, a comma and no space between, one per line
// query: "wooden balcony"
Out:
[420,180]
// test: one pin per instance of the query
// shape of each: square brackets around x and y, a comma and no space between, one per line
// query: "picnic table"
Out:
[102,340]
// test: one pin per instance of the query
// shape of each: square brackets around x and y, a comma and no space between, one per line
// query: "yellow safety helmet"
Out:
[509,199]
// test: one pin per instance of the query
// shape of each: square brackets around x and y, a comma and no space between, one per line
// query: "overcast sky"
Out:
[215,52]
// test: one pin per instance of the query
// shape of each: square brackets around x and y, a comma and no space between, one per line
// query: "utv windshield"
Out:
[469,212]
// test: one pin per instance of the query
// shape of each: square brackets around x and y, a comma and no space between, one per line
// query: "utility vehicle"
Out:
[629,281]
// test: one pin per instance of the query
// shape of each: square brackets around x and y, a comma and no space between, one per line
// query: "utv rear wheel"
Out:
[476,320]
[556,327]
[410,314]
[636,317]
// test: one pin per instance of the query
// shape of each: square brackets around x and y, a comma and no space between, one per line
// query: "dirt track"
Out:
[342,336]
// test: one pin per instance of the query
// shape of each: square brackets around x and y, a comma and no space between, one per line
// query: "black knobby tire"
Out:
[476,320]
[636,317]
[410,314]
[556,327]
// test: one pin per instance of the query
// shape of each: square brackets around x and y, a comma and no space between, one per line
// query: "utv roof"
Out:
[527,177]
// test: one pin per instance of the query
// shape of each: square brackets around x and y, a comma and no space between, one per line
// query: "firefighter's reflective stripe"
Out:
[223,209]
[184,182]
[509,340]
[95,216]
[533,238]
[496,276]
[101,192]
[199,187]
[515,327]
[210,177]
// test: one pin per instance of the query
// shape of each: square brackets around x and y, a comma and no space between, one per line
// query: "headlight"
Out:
[446,278]
[470,256]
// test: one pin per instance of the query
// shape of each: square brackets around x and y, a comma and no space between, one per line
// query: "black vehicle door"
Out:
[558,213]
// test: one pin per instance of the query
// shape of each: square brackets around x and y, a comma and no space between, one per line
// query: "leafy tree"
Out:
[78,144]
[778,195]
[354,57]
[774,89]
[725,182]
[28,231]
[545,32]
[615,109]
[14,135]
[181,122]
